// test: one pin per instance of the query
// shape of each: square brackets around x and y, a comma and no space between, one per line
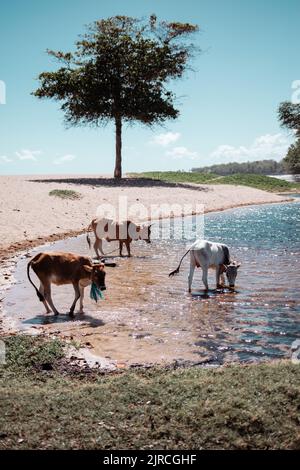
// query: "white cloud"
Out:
[181,152]
[165,139]
[5,159]
[264,147]
[26,154]
[64,159]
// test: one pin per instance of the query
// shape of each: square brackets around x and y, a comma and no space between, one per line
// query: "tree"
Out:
[292,159]
[289,116]
[118,73]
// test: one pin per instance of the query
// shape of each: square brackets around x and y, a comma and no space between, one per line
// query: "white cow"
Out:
[206,255]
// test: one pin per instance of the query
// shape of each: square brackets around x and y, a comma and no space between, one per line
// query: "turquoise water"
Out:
[266,239]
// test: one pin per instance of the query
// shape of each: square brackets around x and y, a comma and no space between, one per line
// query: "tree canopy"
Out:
[289,116]
[261,167]
[119,73]
[292,159]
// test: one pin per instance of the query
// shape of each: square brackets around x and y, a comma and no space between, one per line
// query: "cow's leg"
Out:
[97,247]
[47,291]
[120,247]
[127,243]
[218,273]
[81,289]
[191,273]
[42,291]
[204,276]
[77,296]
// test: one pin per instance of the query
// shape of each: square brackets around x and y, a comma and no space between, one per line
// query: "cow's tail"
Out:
[88,238]
[176,271]
[226,255]
[40,296]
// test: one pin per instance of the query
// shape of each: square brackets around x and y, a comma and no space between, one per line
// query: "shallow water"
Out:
[148,317]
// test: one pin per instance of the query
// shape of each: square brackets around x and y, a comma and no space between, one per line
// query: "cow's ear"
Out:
[138,228]
[238,265]
[88,268]
[223,268]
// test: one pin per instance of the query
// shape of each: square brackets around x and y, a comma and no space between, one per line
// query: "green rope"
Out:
[95,292]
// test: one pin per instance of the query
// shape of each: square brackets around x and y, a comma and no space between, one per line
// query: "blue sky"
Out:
[249,60]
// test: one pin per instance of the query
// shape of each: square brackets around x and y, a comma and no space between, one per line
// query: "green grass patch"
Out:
[235,407]
[266,183]
[32,353]
[176,176]
[65,193]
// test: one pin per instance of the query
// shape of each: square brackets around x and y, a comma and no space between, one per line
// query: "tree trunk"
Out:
[118,163]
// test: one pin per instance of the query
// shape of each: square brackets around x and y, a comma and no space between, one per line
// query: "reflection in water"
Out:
[148,317]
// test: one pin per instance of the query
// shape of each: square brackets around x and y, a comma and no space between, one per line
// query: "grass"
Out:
[236,407]
[266,183]
[176,176]
[65,193]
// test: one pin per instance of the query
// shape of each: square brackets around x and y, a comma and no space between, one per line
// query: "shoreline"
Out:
[17,247]
[10,255]
[82,357]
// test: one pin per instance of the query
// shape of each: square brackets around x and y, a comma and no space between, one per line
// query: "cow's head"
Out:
[231,272]
[97,274]
[144,232]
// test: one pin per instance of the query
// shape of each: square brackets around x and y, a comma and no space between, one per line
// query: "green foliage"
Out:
[118,72]
[27,352]
[266,183]
[235,407]
[289,116]
[176,176]
[65,193]
[262,167]
[255,181]
[292,159]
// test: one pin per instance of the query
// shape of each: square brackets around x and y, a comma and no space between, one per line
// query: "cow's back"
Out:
[60,268]
[111,230]
[209,253]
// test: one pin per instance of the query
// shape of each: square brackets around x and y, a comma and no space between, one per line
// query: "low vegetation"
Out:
[260,182]
[176,176]
[65,193]
[45,405]
[266,183]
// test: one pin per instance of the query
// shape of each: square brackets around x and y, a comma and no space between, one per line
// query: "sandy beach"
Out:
[30,216]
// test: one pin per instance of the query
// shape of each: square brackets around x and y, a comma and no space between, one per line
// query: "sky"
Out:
[248,64]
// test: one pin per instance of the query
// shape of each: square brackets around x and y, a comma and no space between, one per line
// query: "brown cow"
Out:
[124,232]
[65,268]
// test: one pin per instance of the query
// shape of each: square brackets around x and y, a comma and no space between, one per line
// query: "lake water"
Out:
[289,178]
[147,317]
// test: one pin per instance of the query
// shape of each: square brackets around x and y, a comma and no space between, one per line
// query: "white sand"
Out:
[27,212]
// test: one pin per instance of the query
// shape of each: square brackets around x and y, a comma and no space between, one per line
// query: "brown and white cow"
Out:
[124,232]
[65,268]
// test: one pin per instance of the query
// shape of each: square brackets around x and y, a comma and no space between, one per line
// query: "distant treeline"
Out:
[261,167]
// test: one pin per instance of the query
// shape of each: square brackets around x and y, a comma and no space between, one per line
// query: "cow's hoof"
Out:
[71,314]
[190,290]
[56,313]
